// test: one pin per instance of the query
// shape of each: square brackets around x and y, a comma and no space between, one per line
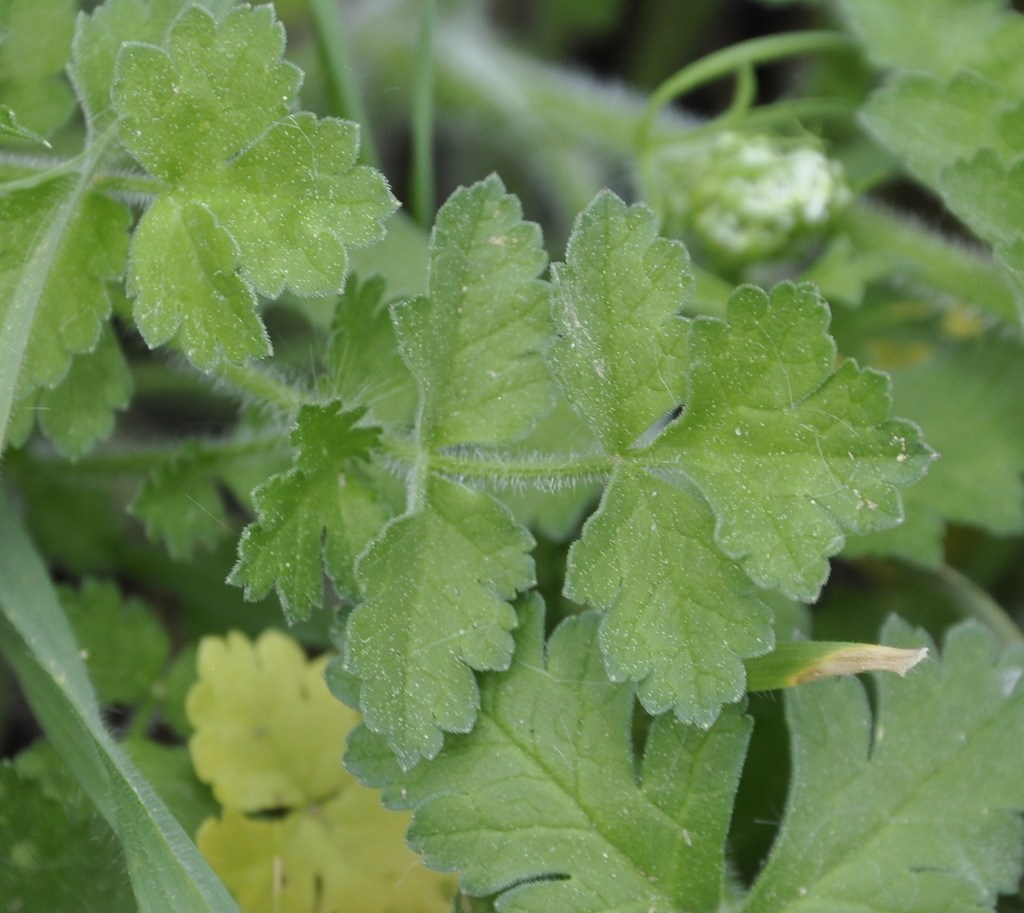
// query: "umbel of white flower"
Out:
[746,198]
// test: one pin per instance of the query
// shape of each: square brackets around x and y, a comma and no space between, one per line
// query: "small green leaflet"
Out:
[79,410]
[363,366]
[473,342]
[542,802]
[912,811]
[99,37]
[75,243]
[620,349]
[681,614]
[179,502]
[790,451]
[256,200]
[124,644]
[317,516]
[436,585]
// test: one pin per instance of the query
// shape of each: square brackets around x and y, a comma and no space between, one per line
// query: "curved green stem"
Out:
[744,55]
[973,602]
[788,110]
[262,386]
[945,265]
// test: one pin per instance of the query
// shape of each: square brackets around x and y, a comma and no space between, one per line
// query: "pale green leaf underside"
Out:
[99,37]
[790,452]
[183,275]
[903,813]
[213,92]
[620,345]
[681,615]
[257,200]
[473,342]
[436,584]
[542,802]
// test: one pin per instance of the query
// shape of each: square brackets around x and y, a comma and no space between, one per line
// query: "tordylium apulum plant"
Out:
[587,494]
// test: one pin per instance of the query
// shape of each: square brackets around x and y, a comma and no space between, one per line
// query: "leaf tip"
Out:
[852,659]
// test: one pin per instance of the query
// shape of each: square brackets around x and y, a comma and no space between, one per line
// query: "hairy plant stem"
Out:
[136,461]
[946,265]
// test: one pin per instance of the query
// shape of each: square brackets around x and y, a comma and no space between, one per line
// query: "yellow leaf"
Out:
[269,738]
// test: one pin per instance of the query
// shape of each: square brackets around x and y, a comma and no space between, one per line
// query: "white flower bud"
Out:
[745,198]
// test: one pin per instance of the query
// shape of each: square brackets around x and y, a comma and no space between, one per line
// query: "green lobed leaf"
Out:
[790,451]
[179,502]
[620,351]
[473,342]
[59,246]
[681,615]
[912,809]
[543,802]
[317,516]
[79,411]
[435,584]
[189,109]
[364,367]
[124,645]
[183,276]
[182,501]
[255,199]
[268,737]
[98,38]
